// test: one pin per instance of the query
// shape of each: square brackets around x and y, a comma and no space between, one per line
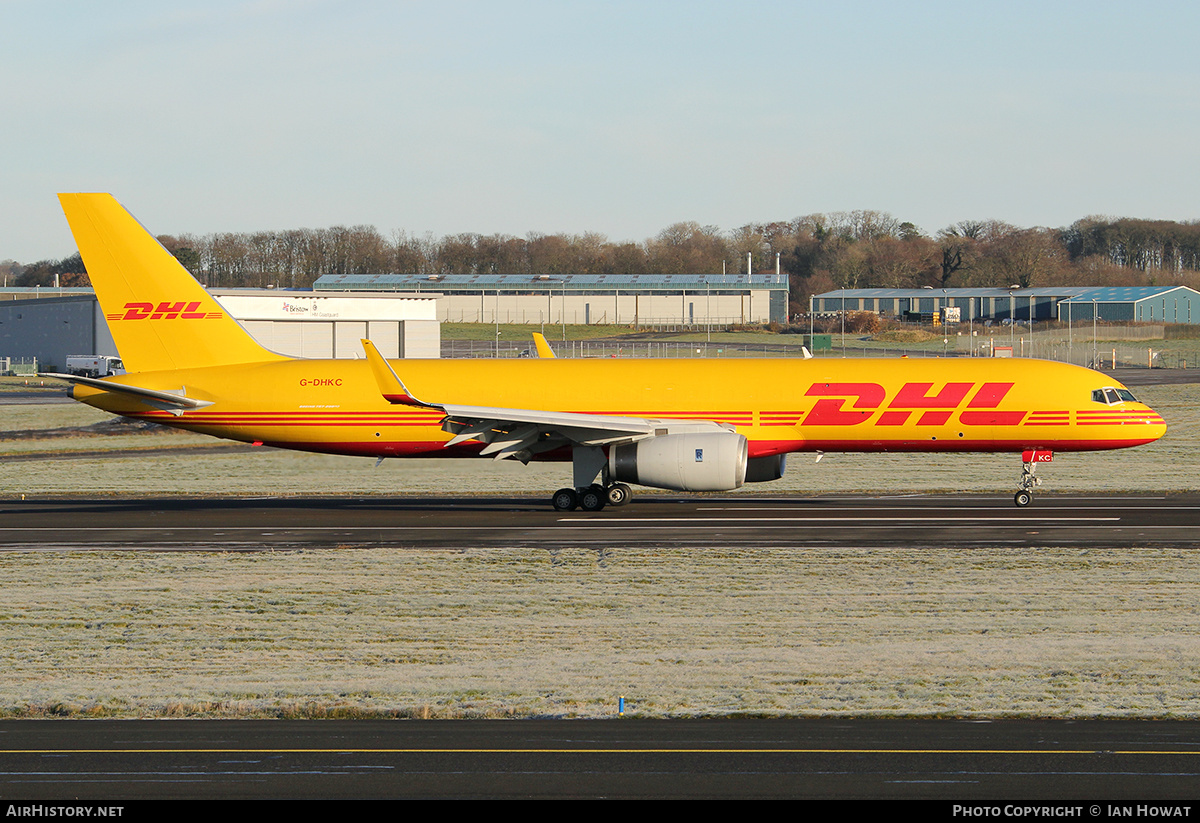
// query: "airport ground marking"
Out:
[915,518]
[593,750]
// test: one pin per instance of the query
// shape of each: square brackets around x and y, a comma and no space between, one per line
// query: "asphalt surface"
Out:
[241,524]
[1051,763]
[1154,377]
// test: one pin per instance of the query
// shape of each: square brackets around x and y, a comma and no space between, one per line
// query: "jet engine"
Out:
[692,462]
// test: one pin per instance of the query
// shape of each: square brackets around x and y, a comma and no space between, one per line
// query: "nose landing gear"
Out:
[1030,481]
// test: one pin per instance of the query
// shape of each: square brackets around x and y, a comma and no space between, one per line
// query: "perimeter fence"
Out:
[1113,347]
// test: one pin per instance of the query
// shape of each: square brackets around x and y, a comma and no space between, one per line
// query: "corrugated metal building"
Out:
[51,328]
[1148,304]
[625,299]
[298,324]
[1163,304]
[975,304]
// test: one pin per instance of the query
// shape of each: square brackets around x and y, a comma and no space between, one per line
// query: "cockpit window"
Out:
[1110,395]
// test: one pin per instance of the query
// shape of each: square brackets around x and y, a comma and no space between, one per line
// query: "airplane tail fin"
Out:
[543,348]
[160,317]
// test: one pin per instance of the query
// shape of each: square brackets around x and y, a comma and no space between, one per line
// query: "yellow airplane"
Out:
[692,425]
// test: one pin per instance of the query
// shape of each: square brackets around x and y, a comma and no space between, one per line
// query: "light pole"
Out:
[1031,320]
[945,329]
[843,313]
[1012,318]
[971,325]
[562,314]
[1070,343]
[812,298]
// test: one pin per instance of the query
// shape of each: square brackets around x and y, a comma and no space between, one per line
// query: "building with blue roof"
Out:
[1145,304]
[1134,304]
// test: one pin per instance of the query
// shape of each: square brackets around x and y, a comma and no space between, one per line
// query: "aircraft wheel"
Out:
[618,494]
[592,499]
[1023,498]
[565,500]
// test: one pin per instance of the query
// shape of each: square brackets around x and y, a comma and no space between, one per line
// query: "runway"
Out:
[450,523]
[1083,765]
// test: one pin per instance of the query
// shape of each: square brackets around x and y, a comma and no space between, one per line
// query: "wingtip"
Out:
[391,387]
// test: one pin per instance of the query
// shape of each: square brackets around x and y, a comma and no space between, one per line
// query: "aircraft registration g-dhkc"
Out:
[689,425]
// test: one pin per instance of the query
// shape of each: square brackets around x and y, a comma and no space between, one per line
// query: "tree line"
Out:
[818,252]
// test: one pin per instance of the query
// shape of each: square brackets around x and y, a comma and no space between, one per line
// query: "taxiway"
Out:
[450,523]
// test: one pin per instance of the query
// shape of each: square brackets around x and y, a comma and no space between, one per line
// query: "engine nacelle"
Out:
[690,462]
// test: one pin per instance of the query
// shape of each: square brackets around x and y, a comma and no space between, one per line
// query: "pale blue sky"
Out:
[614,117]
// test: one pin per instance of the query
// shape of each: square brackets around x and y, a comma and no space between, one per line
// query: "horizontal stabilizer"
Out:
[176,402]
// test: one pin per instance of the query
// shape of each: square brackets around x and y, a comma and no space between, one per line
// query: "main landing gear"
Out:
[592,498]
[1030,481]
[588,464]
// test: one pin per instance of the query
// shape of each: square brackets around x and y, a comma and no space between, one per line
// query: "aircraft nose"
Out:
[1155,425]
[1126,424]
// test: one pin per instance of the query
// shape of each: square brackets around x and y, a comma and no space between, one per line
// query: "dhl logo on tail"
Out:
[164,311]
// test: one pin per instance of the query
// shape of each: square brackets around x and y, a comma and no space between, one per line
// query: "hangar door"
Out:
[322,340]
[311,339]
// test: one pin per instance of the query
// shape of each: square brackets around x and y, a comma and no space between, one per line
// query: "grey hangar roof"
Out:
[551,282]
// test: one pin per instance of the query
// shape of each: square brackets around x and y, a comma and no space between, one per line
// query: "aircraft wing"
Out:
[522,433]
[176,402]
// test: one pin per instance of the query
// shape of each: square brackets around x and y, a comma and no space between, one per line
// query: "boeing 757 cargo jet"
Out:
[689,425]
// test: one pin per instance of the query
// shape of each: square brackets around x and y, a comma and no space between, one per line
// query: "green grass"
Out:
[523,332]
[1183,347]
[512,632]
[48,416]
[47,385]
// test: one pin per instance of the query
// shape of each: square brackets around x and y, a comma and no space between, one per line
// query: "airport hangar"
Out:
[651,301]
[50,324]
[402,313]
[1141,304]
